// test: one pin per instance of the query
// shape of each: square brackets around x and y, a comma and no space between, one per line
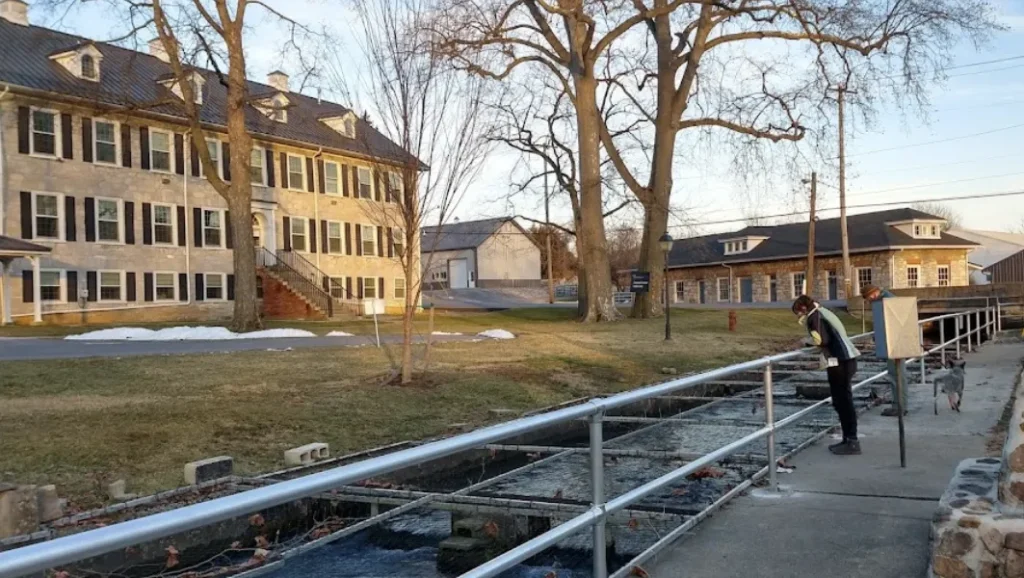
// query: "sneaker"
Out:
[847,448]
[832,448]
[892,411]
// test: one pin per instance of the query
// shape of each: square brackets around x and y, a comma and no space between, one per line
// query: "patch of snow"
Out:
[496,334]
[444,333]
[183,334]
[339,334]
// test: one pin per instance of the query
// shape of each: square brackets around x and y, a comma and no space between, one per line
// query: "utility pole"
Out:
[547,238]
[810,236]
[847,281]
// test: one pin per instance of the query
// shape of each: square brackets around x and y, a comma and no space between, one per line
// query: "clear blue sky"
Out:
[974,100]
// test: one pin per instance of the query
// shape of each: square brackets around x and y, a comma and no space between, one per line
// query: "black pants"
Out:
[840,379]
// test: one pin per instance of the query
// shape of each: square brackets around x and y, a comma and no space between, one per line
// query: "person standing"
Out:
[840,359]
[873,293]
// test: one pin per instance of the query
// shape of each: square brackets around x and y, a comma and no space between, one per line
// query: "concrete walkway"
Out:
[861,516]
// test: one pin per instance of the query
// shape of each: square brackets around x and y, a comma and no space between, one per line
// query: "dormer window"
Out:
[83,61]
[927,231]
[344,125]
[89,67]
[195,79]
[275,108]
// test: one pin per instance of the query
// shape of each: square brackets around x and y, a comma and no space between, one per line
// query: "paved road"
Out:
[54,348]
[856,517]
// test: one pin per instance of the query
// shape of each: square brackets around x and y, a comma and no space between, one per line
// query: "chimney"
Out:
[278,80]
[156,48]
[14,11]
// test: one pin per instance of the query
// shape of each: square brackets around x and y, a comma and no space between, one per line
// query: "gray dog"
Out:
[951,382]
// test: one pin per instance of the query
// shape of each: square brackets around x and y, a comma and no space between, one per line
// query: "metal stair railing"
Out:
[327,283]
[299,274]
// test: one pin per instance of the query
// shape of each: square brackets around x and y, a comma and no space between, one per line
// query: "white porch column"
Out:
[37,297]
[5,293]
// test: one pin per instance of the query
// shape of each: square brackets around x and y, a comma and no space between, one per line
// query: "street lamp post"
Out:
[666,245]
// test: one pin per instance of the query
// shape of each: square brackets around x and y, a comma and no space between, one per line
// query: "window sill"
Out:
[213,247]
[98,242]
[120,301]
[107,165]
[45,156]
[162,172]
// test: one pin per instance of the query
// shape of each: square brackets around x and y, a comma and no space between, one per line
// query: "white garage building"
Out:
[485,254]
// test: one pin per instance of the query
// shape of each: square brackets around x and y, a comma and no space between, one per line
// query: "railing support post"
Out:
[977,326]
[924,355]
[958,322]
[967,332]
[769,418]
[942,340]
[597,489]
[999,315]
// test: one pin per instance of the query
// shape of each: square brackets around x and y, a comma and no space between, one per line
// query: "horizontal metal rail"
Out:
[76,547]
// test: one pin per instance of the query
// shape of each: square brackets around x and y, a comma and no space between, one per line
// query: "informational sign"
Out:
[640,282]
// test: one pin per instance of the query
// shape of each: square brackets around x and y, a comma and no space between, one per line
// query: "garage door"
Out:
[458,274]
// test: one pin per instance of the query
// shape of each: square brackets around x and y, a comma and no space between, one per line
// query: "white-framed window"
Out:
[332,178]
[680,292]
[399,287]
[45,128]
[213,146]
[52,285]
[865,277]
[723,289]
[213,228]
[165,286]
[913,276]
[106,142]
[109,220]
[734,247]
[350,127]
[365,183]
[257,170]
[338,288]
[335,237]
[369,287]
[369,239]
[799,280]
[164,224]
[296,173]
[927,231]
[773,288]
[161,149]
[397,194]
[88,63]
[48,216]
[943,274]
[299,233]
[111,285]
[214,287]
[398,239]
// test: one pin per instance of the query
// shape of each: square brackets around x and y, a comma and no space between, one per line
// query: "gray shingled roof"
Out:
[868,231]
[464,235]
[11,245]
[130,79]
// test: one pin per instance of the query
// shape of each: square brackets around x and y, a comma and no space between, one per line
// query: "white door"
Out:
[458,274]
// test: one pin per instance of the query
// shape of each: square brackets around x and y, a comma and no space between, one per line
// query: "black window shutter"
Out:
[67,146]
[312,236]
[147,286]
[287,234]
[197,226]
[90,285]
[391,242]
[324,245]
[23,122]
[129,223]
[228,231]
[70,227]
[126,146]
[380,241]
[28,287]
[380,287]
[129,280]
[348,287]
[284,170]
[348,239]
[225,160]
[376,185]
[72,277]
[144,147]
[183,286]
[344,180]
[359,240]
[321,173]
[200,287]
[310,178]
[182,241]
[90,220]
[26,215]
[86,139]
[193,157]
[179,154]
[270,167]
[147,224]
[231,287]
[359,288]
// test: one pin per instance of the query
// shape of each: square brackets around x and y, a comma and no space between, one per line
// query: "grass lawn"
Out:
[83,423]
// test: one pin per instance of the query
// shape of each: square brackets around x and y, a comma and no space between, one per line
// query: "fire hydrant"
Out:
[732,321]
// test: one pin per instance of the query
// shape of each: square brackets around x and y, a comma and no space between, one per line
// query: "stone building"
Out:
[98,168]
[899,248]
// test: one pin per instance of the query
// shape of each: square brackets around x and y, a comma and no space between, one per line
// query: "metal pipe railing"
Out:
[76,547]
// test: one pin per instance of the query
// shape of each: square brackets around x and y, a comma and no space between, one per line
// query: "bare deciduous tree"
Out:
[954,220]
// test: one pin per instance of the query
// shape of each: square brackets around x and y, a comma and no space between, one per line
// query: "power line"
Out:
[955,67]
[939,141]
[957,181]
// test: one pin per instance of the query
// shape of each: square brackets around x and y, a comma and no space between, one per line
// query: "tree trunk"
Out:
[652,257]
[590,236]
[408,316]
[246,314]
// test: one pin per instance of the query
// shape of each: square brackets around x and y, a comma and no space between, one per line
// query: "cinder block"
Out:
[19,511]
[50,507]
[307,454]
[117,491]
[209,469]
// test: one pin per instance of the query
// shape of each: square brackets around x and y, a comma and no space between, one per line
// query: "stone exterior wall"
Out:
[78,179]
